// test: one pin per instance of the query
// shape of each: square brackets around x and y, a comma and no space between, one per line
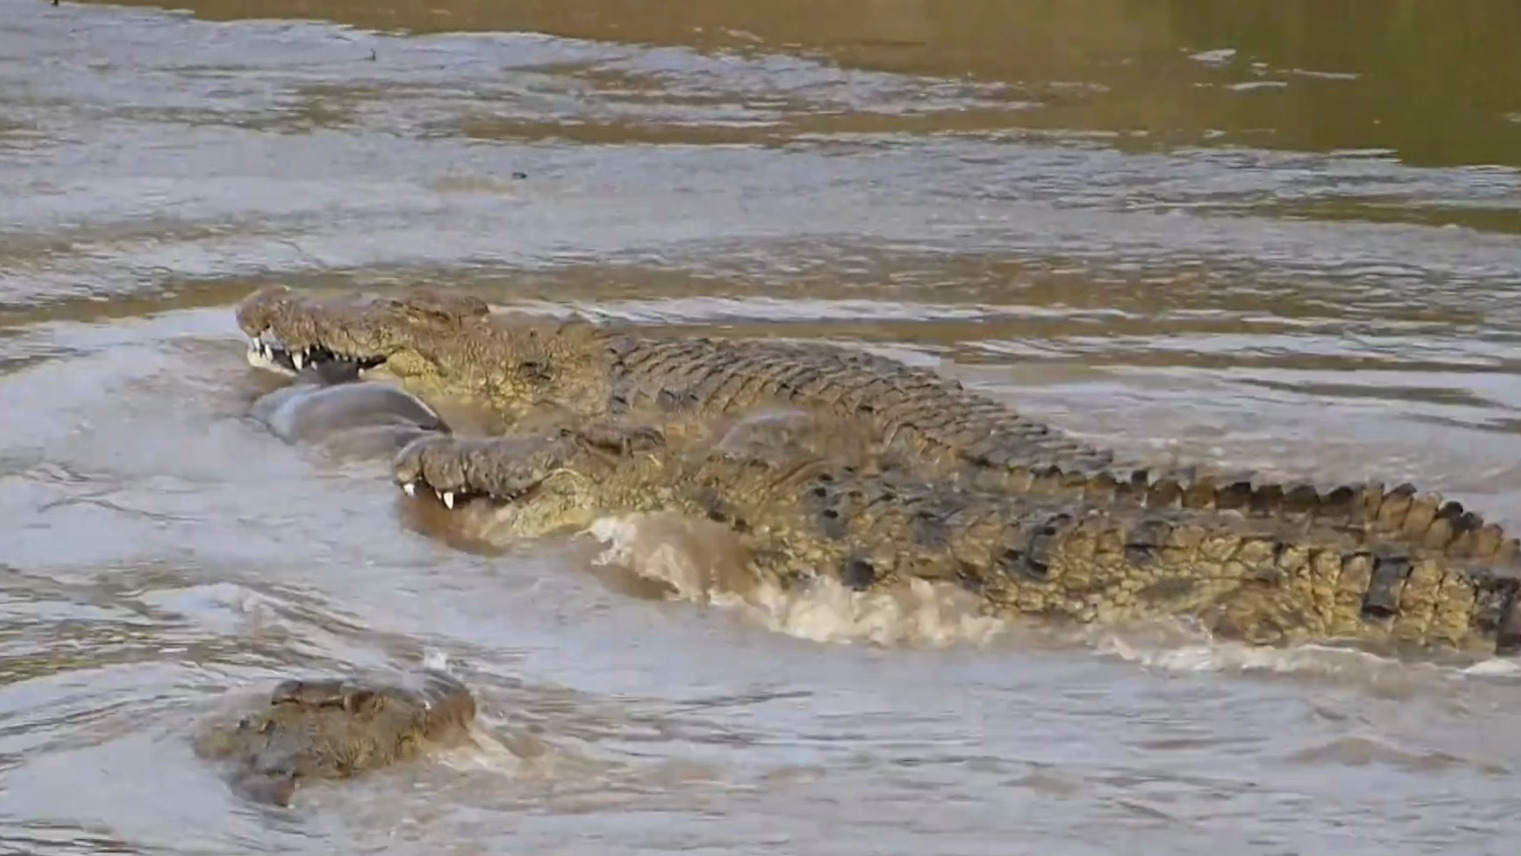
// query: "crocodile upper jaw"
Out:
[268,353]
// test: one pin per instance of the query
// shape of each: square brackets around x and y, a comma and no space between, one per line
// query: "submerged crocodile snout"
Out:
[335,728]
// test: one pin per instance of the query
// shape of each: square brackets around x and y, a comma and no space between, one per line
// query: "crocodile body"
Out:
[1263,579]
[916,419]
[335,728]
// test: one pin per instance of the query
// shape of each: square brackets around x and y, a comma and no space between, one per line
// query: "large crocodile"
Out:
[1264,579]
[335,728]
[455,346]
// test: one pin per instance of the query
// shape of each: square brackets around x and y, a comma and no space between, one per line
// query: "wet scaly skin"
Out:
[335,728]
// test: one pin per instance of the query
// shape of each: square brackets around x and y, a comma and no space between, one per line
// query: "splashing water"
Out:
[691,557]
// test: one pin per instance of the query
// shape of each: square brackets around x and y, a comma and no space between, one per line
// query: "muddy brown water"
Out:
[1282,233]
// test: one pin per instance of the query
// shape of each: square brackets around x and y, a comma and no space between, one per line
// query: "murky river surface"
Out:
[1283,233]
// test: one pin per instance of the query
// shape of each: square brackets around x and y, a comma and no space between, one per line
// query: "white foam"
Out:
[683,555]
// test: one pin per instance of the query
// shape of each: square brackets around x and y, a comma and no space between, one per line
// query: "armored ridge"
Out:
[335,728]
[440,344]
[1260,579]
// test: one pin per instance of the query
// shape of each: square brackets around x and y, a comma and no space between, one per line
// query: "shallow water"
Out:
[1284,234]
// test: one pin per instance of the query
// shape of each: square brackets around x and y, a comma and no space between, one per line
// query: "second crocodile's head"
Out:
[336,728]
[527,486]
[433,341]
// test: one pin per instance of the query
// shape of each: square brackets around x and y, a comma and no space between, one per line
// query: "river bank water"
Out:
[1284,234]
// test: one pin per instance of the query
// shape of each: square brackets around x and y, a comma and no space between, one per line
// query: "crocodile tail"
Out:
[1253,579]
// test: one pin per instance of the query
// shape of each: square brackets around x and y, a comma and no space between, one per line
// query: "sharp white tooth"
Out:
[298,359]
[448,497]
[410,488]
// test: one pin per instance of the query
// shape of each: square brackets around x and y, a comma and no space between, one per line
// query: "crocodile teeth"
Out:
[448,498]
[297,359]
[410,488]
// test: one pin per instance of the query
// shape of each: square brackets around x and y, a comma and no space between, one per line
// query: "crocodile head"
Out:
[534,485]
[336,728]
[433,341]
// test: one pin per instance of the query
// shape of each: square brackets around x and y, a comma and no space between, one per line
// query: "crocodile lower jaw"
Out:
[456,498]
[271,355]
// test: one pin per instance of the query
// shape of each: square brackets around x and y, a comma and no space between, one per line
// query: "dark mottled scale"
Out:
[1267,499]
[1452,523]
[928,528]
[1236,496]
[857,573]
[1013,556]
[1494,601]
[821,503]
[1508,627]
[1462,520]
[1144,541]
[1382,599]
[1339,505]
[1300,500]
